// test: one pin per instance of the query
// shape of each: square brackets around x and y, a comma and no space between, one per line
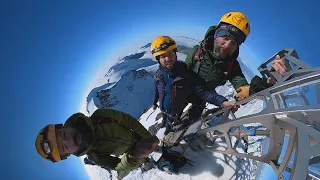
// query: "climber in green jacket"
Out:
[103,137]
[215,59]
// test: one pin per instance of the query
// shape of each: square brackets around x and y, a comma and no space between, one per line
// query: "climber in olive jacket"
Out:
[103,137]
[116,137]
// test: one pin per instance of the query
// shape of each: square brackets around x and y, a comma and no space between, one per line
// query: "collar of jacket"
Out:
[178,68]
[71,121]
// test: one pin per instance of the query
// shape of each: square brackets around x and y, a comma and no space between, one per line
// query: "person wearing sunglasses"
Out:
[215,59]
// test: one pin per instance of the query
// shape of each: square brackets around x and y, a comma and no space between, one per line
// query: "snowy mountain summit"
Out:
[128,86]
[129,83]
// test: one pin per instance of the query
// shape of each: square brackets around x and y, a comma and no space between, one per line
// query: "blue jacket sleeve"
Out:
[210,96]
[156,94]
[157,76]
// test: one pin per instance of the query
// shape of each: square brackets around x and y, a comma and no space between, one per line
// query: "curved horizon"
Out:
[52,50]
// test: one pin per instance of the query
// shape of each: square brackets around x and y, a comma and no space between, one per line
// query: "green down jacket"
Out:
[113,137]
[214,72]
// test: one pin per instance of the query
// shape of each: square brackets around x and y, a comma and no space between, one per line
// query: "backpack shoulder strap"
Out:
[199,53]
[158,75]
[229,66]
[198,56]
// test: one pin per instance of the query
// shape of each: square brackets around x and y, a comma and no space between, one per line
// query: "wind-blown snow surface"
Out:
[128,87]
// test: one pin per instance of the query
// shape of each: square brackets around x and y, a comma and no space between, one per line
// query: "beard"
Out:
[169,67]
[219,53]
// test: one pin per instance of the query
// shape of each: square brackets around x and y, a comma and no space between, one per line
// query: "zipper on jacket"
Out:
[174,89]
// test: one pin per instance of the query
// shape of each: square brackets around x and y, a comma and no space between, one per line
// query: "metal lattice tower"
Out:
[281,118]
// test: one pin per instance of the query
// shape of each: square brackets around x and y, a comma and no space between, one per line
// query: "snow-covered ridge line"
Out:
[129,88]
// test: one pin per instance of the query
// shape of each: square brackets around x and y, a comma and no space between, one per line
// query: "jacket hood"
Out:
[72,121]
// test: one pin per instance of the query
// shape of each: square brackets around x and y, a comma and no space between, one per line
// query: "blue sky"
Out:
[51,51]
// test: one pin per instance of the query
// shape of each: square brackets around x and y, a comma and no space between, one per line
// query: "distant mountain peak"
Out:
[134,56]
[146,46]
[129,82]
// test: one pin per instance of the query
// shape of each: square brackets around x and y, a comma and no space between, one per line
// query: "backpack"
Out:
[199,56]
[169,160]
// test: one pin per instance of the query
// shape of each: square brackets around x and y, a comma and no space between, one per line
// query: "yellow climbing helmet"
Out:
[46,144]
[238,20]
[162,45]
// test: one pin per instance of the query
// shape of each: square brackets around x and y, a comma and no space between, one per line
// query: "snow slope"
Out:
[207,165]
[128,87]
[123,91]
